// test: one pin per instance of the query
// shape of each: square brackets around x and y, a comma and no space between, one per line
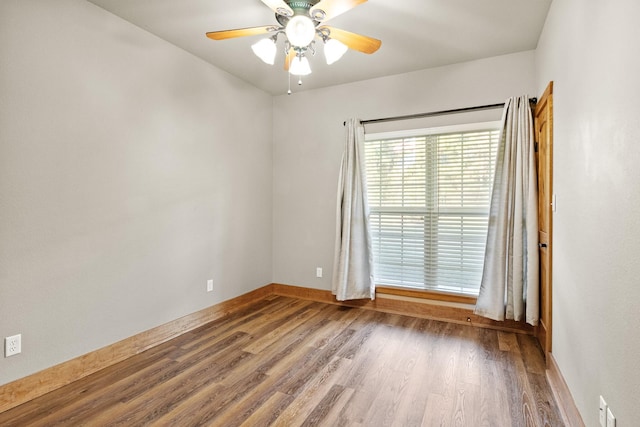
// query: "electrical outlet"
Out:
[319,272]
[12,345]
[611,420]
[603,412]
[209,285]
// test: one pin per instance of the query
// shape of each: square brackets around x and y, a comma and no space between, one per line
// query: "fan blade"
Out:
[355,41]
[279,7]
[241,32]
[332,8]
[289,59]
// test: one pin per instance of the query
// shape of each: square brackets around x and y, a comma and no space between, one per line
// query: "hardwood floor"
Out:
[290,362]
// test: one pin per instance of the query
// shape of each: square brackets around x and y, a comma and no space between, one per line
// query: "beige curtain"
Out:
[509,286]
[353,259]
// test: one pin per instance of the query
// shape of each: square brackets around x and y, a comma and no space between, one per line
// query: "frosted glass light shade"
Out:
[333,50]
[265,49]
[300,31]
[300,66]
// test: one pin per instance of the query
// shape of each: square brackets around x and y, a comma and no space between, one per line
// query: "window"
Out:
[429,193]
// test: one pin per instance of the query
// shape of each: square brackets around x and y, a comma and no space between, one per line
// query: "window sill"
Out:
[423,294]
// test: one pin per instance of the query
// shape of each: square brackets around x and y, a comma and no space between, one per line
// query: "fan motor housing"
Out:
[299,8]
[304,5]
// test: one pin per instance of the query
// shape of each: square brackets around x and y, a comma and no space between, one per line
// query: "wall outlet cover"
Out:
[611,420]
[603,412]
[209,285]
[12,345]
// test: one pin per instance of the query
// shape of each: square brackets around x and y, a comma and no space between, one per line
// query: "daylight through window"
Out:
[429,193]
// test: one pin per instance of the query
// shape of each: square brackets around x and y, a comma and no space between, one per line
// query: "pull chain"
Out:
[287,48]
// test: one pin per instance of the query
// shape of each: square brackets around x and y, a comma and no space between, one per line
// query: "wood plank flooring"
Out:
[290,362]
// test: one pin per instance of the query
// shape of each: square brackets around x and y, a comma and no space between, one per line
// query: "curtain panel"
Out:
[353,257]
[509,286]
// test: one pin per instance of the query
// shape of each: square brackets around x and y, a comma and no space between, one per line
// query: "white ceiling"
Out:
[415,34]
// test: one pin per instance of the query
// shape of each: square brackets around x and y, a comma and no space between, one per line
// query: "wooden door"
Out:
[544,141]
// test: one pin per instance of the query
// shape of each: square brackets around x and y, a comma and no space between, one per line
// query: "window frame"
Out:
[430,292]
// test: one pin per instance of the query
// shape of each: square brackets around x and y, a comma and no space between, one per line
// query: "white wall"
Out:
[128,177]
[589,49]
[308,145]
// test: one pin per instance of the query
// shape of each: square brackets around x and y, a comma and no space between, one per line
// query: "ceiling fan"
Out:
[300,22]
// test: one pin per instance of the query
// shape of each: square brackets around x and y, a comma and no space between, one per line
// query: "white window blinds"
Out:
[429,196]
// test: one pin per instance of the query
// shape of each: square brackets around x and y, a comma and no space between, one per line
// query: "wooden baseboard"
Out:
[419,307]
[39,383]
[22,390]
[564,400]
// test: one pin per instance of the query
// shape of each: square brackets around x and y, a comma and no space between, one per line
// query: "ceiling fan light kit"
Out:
[300,31]
[333,50]
[266,50]
[299,22]
[300,66]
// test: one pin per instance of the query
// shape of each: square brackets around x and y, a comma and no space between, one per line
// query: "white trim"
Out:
[440,130]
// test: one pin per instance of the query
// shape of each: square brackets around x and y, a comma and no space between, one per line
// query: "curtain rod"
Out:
[437,113]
